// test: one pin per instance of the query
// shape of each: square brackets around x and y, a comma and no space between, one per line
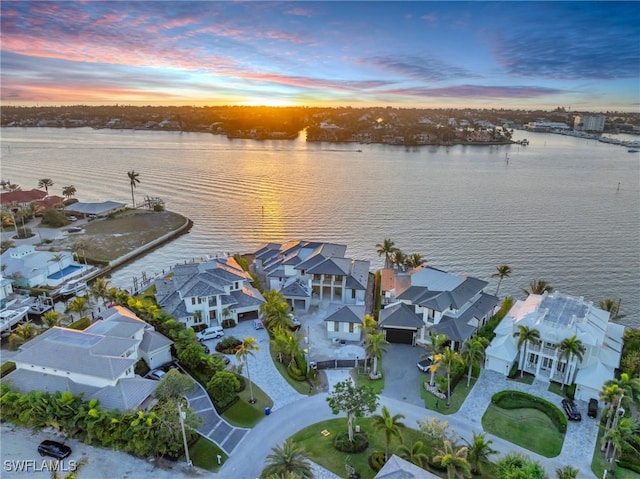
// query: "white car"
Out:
[157,374]
[210,333]
[425,364]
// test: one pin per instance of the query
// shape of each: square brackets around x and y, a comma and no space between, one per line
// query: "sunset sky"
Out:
[580,55]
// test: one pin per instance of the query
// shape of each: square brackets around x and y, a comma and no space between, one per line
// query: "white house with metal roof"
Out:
[310,273]
[98,362]
[558,317]
[206,293]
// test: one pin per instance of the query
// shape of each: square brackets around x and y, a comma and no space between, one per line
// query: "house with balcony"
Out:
[205,294]
[557,317]
[312,273]
[434,302]
[97,362]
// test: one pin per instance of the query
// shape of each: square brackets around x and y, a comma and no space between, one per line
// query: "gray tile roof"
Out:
[438,302]
[29,380]
[454,328]
[398,468]
[295,289]
[127,394]
[400,315]
[115,328]
[465,291]
[153,341]
[348,314]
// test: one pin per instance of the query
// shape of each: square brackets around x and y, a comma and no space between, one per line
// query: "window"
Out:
[337,278]
[351,327]
[317,277]
[431,314]
[336,326]
[353,294]
[193,301]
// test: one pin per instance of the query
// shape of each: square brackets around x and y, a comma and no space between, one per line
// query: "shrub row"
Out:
[6,368]
[81,324]
[487,331]
[516,400]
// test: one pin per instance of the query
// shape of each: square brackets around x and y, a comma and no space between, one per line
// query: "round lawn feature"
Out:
[527,427]
[359,444]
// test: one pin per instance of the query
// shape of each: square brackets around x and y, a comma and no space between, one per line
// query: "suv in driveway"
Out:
[211,332]
[592,411]
[54,449]
[571,410]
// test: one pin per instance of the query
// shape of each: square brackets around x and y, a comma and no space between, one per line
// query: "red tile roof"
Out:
[20,197]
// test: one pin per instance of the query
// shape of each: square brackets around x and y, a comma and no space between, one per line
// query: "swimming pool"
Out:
[66,271]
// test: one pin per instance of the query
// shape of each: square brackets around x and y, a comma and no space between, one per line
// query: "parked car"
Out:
[54,449]
[157,374]
[73,218]
[571,410]
[258,324]
[295,323]
[592,410]
[206,348]
[425,364]
[210,333]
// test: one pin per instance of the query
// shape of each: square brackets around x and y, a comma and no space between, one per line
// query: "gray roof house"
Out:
[345,322]
[99,209]
[398,468]
[310,273]
[199,294]
[97,362]
[446,303]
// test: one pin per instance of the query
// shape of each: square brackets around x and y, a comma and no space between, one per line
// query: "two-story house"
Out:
[435,302]
[97,362]
[204,294]
[557,317]
[29,267]
[311,273]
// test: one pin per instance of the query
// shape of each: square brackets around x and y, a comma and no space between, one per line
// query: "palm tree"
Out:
[525,335]
[386,248]
[133,180]
[479,450]
[78,305]
[69,191]
[566,472]
[390,425]
[375,348]
[100,289]
[538,286]
[246,349]
[448,359]
[454,460]
[569,348]
[51,318]
[58,257]
[622,434]
[275,310]
[437,345]
[23,333]
[370,326]
[13,187]
[288,343]
[414,454]
[472,352]
[287,459]
[80,245]
[226,313]
[503,271]
[45,183]
[611,394]
[399,259]
[612,306]
[628,384]
[415,260]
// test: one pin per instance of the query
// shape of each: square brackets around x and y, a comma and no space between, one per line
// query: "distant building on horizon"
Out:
[589,123]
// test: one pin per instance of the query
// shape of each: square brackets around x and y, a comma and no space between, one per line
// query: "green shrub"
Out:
[359,444]
[513,371]
[81,324]
[141,368]
[242,261]
[571,391]
[228,345]
[158,208]
[222,388]
[54,218]
[6,368]
[516,400]
[376,461]
[228,323]
[25,233]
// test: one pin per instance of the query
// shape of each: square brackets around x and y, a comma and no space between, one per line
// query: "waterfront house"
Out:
[28,267]
[558,317]
[312,273]
[434,301]
[97,362]
[206,293]
[103,208]
[344,322]
[20,199]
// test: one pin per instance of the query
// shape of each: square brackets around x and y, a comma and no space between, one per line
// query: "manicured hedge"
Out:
[81,324]
[516,400]
[6,368]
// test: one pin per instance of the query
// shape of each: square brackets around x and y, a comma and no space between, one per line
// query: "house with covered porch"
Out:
[557,317]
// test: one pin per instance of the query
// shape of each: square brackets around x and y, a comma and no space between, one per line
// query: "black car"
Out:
[571,410]
[592,411]
[54,449]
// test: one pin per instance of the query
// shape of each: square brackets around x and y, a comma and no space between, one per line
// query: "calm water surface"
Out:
[552,212]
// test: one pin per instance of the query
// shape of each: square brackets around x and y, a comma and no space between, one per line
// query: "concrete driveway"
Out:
[401,373]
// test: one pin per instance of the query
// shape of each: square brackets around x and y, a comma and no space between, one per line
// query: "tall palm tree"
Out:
[288,343]
[622,434]
[51,318]
[415,454]
[370,326]
[479,450]
[78,305]
[288,458]
[611,394]
[23,333]
[537,286]
[375,348]
[567,472]
[14,187]
[58,257]
[448,359]
[79,246]
[246,349]
[45,183]
[570,347]
[437,345]
[628,384]
[390,425]
[503,271]
[399,259]
[472,352]
[612,306]
[525,335]
[386,248]
[133,180]
[69,191]
[415,260]
[275,310]
[100,289]
[454,460]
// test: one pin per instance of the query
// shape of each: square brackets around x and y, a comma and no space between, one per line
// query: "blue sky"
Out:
[580,55]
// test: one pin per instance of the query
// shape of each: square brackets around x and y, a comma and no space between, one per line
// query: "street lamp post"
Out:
[183,415]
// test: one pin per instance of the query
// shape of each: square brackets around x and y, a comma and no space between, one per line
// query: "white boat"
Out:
[41,305]
[73,287]
[10,317]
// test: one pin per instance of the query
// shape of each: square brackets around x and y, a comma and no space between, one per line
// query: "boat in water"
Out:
[73,287]
[10,317]
[41,305]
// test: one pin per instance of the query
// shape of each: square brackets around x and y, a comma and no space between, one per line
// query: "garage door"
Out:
[248,315]
[403,336]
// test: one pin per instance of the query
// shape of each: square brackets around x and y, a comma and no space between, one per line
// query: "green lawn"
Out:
[528,428]
[363,380]
[458,396]
[598,464]
[244,414]
[204,454]
[555,389]
[320,448]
